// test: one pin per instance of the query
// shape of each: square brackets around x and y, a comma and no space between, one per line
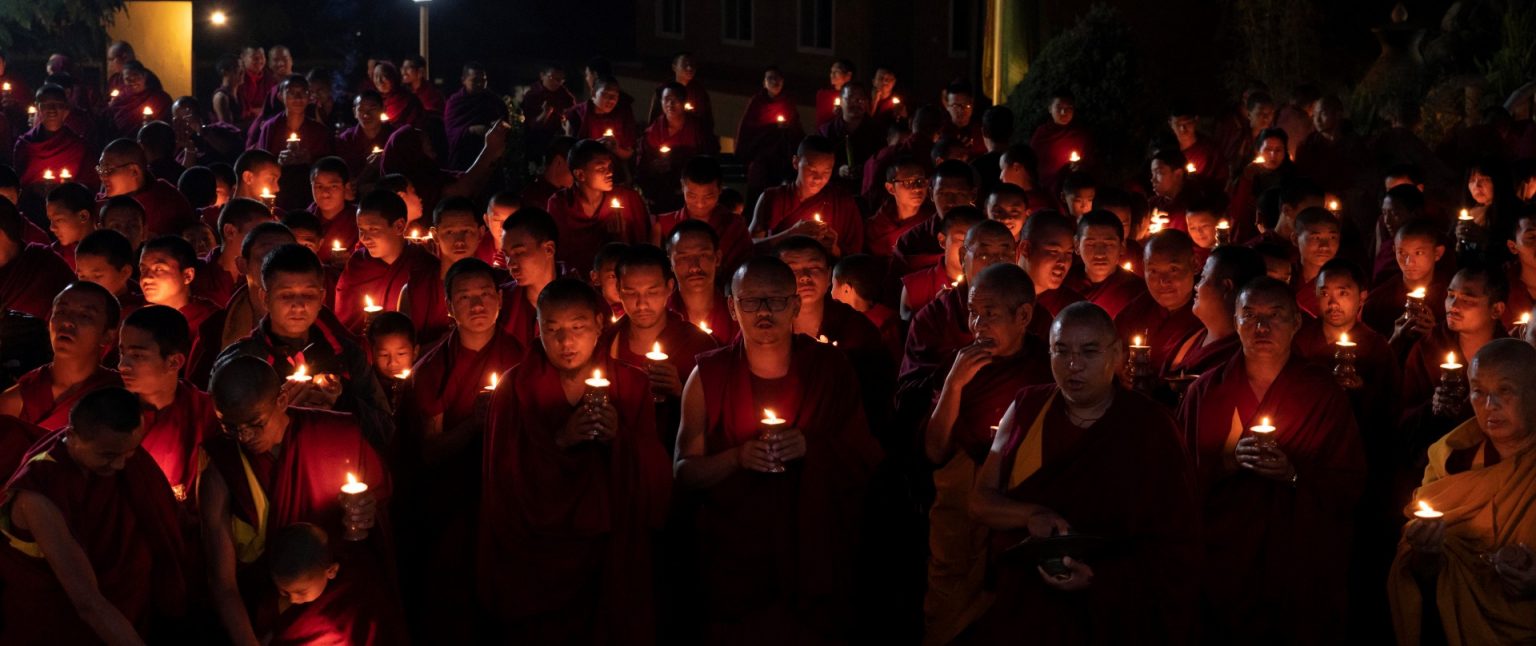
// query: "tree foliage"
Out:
[73,26]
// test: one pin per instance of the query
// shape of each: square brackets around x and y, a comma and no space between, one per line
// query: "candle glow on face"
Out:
[1426,512]
[353,487]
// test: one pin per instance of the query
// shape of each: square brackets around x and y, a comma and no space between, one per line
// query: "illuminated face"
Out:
[1100,250]
[410,73]
[983,251]
[258,428]
[394,353]
[1080,201]
[281,61]
[1340,298]
[855,102]
[293,302]
[458,235]
[694,262]
[254,60]
[1009,210]
[495,215]
[1468,307]
[78,326]
[1274,152]
[814,170]
[672,103]
[765,310]
[700,199]
[596,175]
[51,113]
[118,176]
[96,269]
[1523,246]
[107,453]
[1185,128]
[961,106]
[1480,187]
[909,188]
[606,281]
[773,83]
[296,98]
[1166,180]
[134,80]
[607,99]
[1261,116]
[1209,305]
[839,75]
[812,275]
[1266,324]
[569,334]
[163,280]
[1416,258]
[366,110]
[264,177]
[528,260]
[382,238]
[143,368]
[381,81]
[1202,228]
[683,70]
[884,81]
[1318,243]
[68,226]
[1050,257]
[307,587]
[1062,110]
[644,291]
[329,191]
[412,201]
[1083,362]
[993,323]
[1500,402]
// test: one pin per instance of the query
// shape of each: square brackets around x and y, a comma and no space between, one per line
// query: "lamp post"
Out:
[423,5]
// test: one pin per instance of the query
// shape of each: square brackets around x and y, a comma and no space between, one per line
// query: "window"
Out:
[961,23]
[737,18]
[816,26]
[669,18]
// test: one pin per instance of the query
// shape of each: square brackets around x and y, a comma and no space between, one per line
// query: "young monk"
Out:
[977,390]
[1058,448]
[915,145]
[295,332]
[769,129]
[356,144]
[1457,579]
[702,183]
[83,326]
[258,177]
[811,205]
[71,209]
[384,265]
[646,285]
[953,185]
[95,553]
[392,341]
[458,227]
[318,599]
[594,210]
[528,245]
[1056,140]
[1276,514]
[674,137]
[605,281]
[275,134]
[52,144]
[153,348]
[245,307]
[124,215]
[1045,249]
[124,170]
[694,250]
[1215,341]
[760,526]
[500,207]
[854,134]
[907,206]
[106,258]
[167,266]
[857,281]
[1102,280]
[30,274]
[1163,317]
[275,465]
[1474,301]
[219,275]
[554,174]
[328,179]
[921,287]
[1419,245]
[1317,238]
[571,483]
[603,119]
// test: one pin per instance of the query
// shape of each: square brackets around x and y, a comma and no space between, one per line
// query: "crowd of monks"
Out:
[283,372]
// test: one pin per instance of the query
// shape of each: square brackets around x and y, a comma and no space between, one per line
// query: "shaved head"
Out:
[1510,357]
[1172,244]
[766,271]
[298,550]
[1502,379]
[242,383]
[1269,290]
[987,230]
[1008,282]
[1087,317]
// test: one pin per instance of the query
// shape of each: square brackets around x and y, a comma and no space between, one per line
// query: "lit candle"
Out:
[491,383]
[267,197]
[1074,157]
[1136,342]
[1190,168]
[1223,225]
[1525,318]
[301,375]
[369,307]
[336,246]
[613,318]
[115,93]
[1333,205]
[771,420]
[148,112]
[779,118]
[705,327]
[64,174]
[665,149]
[817,218]
[688,106]
[384,117]
[377,150]
[608,132]
[414,235]
[5,87]
[403,374]
[837,101]
[895,100]
[1450,362]
[31,110]
[353,487]
[597,380]
[1127,266]
[1258,159]
[293,137]
[349,493]
[1417,294]
[1264,431]
[656,354]
[1344,341]
[1426,512]
[48,175]
[1464,216]
[614,203]
[771,425]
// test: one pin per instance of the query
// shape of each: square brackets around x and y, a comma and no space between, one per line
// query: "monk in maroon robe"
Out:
[1045,250]
[137,103]
[977,390]
[409,153]
[921,287]
[1521,273]
[594,210]
[1055,141]
[167,267]
[811,205]
[855,136]
[245,307]
[1163,316]
[329,593]
[1317,234]
[671,140]
[602,119]
[82,328]
[52,145]
[154,343]
[694,249]
[954,184]
[273,466]
[1474,301]
[685,75]
[1085,456]
[71,216]
[469,112]
[125,171]
[575,483]
[543,108]
[1277,509]
[1419,246]
[386,262]
[702,183]
[914,146]
[1226,271]
[95,553]
[528,246]
[774,547]
[768,133]
[328,180]
[401,105]
[829,100]
[906,207]
[30,274]
[358,144]
[1101,280]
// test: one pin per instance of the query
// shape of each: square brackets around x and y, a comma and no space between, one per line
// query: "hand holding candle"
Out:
[600,419]
[1450,396]
[1426,532]
[1344,372]
[664,378]
[357,509]
[771,425]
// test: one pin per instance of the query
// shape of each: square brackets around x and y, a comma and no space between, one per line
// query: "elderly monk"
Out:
[82,328]
[977,390]
[384,265]
[1469,577]
[1101,279]
[1045,250]
[646,284]
[1163,316]
[30,273]
[575,483]
[694,249]
[275,465]
[94,551]
[299,331]
[1060,450]
[777,520]
[1277,510]
[153,347]
[528,240]
[811,205]
[124,170]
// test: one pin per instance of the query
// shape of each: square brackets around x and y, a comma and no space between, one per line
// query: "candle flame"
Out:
[1416,293]
[822,338]
[1258,159]
[688,106]
[403,374]
[816,217]
[837,101]
[1464,216]
[1223,225]
[614,203]
[665,149]
[266,193]
[31,109]
[301,374]
[770,417]
[895,100]
[377,150]
[384,116]
[1424,506]
[1264,422]
[608,132]
[705,327]
[1343,337]
[64,174]
[656,347]
[1136,340]
[368,305]
[115,93]
[1126,266]
[351,478]
[5,86]
[1333,205]
[1190,167]
[1525,318]
[48,174]
[780,118]
[1074,157]
[493,381]
[293,137]
[415,234]
[1450,357]
[597,373]
[336,245]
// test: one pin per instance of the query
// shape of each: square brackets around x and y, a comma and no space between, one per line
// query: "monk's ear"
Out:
[1025,314]
[794,161]
[109,339]
[1512,250]
[188,275]
[247,178]
[229,233]
[398,226]
[1498,310]
[548,246]
[176,361]
[242,266]
[1439,251]
[330,572]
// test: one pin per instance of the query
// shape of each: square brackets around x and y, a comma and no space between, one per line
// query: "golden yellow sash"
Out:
[1031,454]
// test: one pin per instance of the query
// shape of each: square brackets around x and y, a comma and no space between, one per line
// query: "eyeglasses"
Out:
[912,184]
[773,303]
[103,170]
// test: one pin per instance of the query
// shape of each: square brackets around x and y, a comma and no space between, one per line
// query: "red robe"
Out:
[518,318]
[919,247]
[38,150]
[341,227]
[353,610]
[735,241]
[1117,291]
[125,114]
[583,234]
[565,536]
[354,146]
[1274,552]
[659,175]
[1385,302]
[970,134]
[174,437]
[1047,305]
[537,193]
[404,108]
[835,205]
[38,405]
[721,326]
[1192,356]
[197,311]
[767,144]
[29,281]
[430,97]
[447,381]
[588,124]
[251,94]
[212,282]
[1053,146]
[66,252]
[1520,301]
[776,550]
[682,342]
[882,230]
[365,275]
[166,210]
[1124,478]
[828,102]
[937,332]
[16,437]
[1374,362]
[315,138]
[1161,329]
[1421,370]
[126,525]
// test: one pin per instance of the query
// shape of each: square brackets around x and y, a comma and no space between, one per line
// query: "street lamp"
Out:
[219,18]
[423,4]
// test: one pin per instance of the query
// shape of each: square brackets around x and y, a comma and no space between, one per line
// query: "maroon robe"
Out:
[919,247]
[430,97]
[40,407]
[29,281]
[125,114]
[1160,329]
[1385,303]
[537,193]
[855,145]
[251,94]
[776,550]
[404,108]
[882,230]
[1193,356]
[174,438]
[923,286]
[354,145]
[365,275]
[659,175]
[1053,145]
[38,150]
[735,241]
[315,138]
[937,332]
[126,526]
[828,104]
[426,303]
[212,281]
[721,326]
[767,144]
[1378,369]
[566,533]
[970,134]
[1209,165]
[16,437]
[518,318]
[1125,479]
[354,609]
[406,153]
[583,234]
[537,97]
[697,96]
[588,124]
[1421,370]
[682,342]
[990,393]
[463,112]
[196,311]
[1520,301]
[341,227]
[835,205]
[1047,304]
[1116,293]
[1274,552]
[166,210]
